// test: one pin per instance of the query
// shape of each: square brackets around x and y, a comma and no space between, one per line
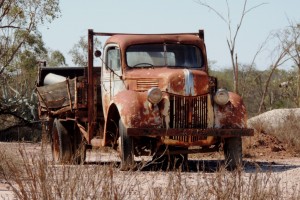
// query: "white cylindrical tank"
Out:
[53,78]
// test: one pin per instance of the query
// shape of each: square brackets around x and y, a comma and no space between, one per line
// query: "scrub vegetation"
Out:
[30,175]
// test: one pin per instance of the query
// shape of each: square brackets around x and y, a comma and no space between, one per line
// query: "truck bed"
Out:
[67,95]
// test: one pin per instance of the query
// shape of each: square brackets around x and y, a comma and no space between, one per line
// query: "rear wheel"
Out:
[233,152]
[126,148]
[60,143]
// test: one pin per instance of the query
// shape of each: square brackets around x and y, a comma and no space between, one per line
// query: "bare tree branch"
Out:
[279,61]
[231,41]
[213,9]
[10,26]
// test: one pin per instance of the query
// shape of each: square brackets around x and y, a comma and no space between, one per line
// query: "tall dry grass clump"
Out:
[8,157]
[289,132]
[35,177]
[40,179]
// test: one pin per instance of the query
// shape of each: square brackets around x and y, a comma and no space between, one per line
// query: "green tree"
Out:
[281,91]
[56,59]
[224,78]
[79,52]
[19,20]
[29,54]
[291,41]
[18,83]
[21,47]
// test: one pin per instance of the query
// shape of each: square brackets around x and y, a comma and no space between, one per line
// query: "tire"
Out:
[60,143]
[233,153]
[126,148]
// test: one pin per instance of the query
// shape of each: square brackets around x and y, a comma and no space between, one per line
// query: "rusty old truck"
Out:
[151,95]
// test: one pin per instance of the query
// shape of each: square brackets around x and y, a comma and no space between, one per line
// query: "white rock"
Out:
[278,119]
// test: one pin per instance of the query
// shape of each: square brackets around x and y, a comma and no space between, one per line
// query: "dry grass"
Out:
[8,157]
[34,177]
[283,124]
[289,132]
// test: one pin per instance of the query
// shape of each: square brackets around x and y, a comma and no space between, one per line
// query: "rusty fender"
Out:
[231,115]
[136,111]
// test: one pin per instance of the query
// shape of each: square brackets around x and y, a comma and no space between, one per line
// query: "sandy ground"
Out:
[284,168]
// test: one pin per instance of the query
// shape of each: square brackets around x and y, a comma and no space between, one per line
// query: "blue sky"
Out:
[168,16]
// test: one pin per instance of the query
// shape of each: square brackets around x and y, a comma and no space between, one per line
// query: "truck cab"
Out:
[157,94]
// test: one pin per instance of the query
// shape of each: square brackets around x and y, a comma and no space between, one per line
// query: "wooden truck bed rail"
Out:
[62,97]
[59,95]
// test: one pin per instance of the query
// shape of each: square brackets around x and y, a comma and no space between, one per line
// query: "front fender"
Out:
[231,115]
[136,111]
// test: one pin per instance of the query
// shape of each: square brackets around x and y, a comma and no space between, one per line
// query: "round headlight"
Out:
[154,95]
[221,97]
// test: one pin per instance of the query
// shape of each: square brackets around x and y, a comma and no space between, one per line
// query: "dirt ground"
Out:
[262,153]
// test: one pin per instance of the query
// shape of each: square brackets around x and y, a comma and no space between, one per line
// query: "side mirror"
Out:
[98,53]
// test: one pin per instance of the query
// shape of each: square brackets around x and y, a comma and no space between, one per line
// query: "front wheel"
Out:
[233,152]
[126,148]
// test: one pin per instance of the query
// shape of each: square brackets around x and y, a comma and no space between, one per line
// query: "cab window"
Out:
[113,59]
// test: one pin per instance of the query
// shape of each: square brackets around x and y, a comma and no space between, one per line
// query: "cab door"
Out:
[112,82]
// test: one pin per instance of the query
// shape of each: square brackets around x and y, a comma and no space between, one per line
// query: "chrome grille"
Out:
[188,112]
[145,84]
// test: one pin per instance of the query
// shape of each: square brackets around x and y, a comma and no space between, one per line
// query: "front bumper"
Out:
[224,133]
[189,137]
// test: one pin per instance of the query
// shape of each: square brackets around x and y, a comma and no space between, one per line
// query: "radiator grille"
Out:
[145,84]
[188,112]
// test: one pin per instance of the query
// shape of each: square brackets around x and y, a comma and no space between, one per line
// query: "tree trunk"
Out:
[236,81]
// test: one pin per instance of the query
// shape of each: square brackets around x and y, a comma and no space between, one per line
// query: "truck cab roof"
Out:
[124,40]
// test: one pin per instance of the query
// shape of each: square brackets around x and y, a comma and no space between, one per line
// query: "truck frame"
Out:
[152,96]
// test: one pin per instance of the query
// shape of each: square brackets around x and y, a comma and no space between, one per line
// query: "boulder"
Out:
[287,120]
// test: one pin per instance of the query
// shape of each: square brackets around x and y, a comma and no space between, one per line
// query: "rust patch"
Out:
[201,82]
[176,83]
[167,79]
[232,115]
[136,111]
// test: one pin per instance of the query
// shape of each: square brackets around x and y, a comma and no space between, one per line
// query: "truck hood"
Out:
[186,82]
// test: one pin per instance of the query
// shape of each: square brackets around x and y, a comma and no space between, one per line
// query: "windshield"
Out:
[172,55]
